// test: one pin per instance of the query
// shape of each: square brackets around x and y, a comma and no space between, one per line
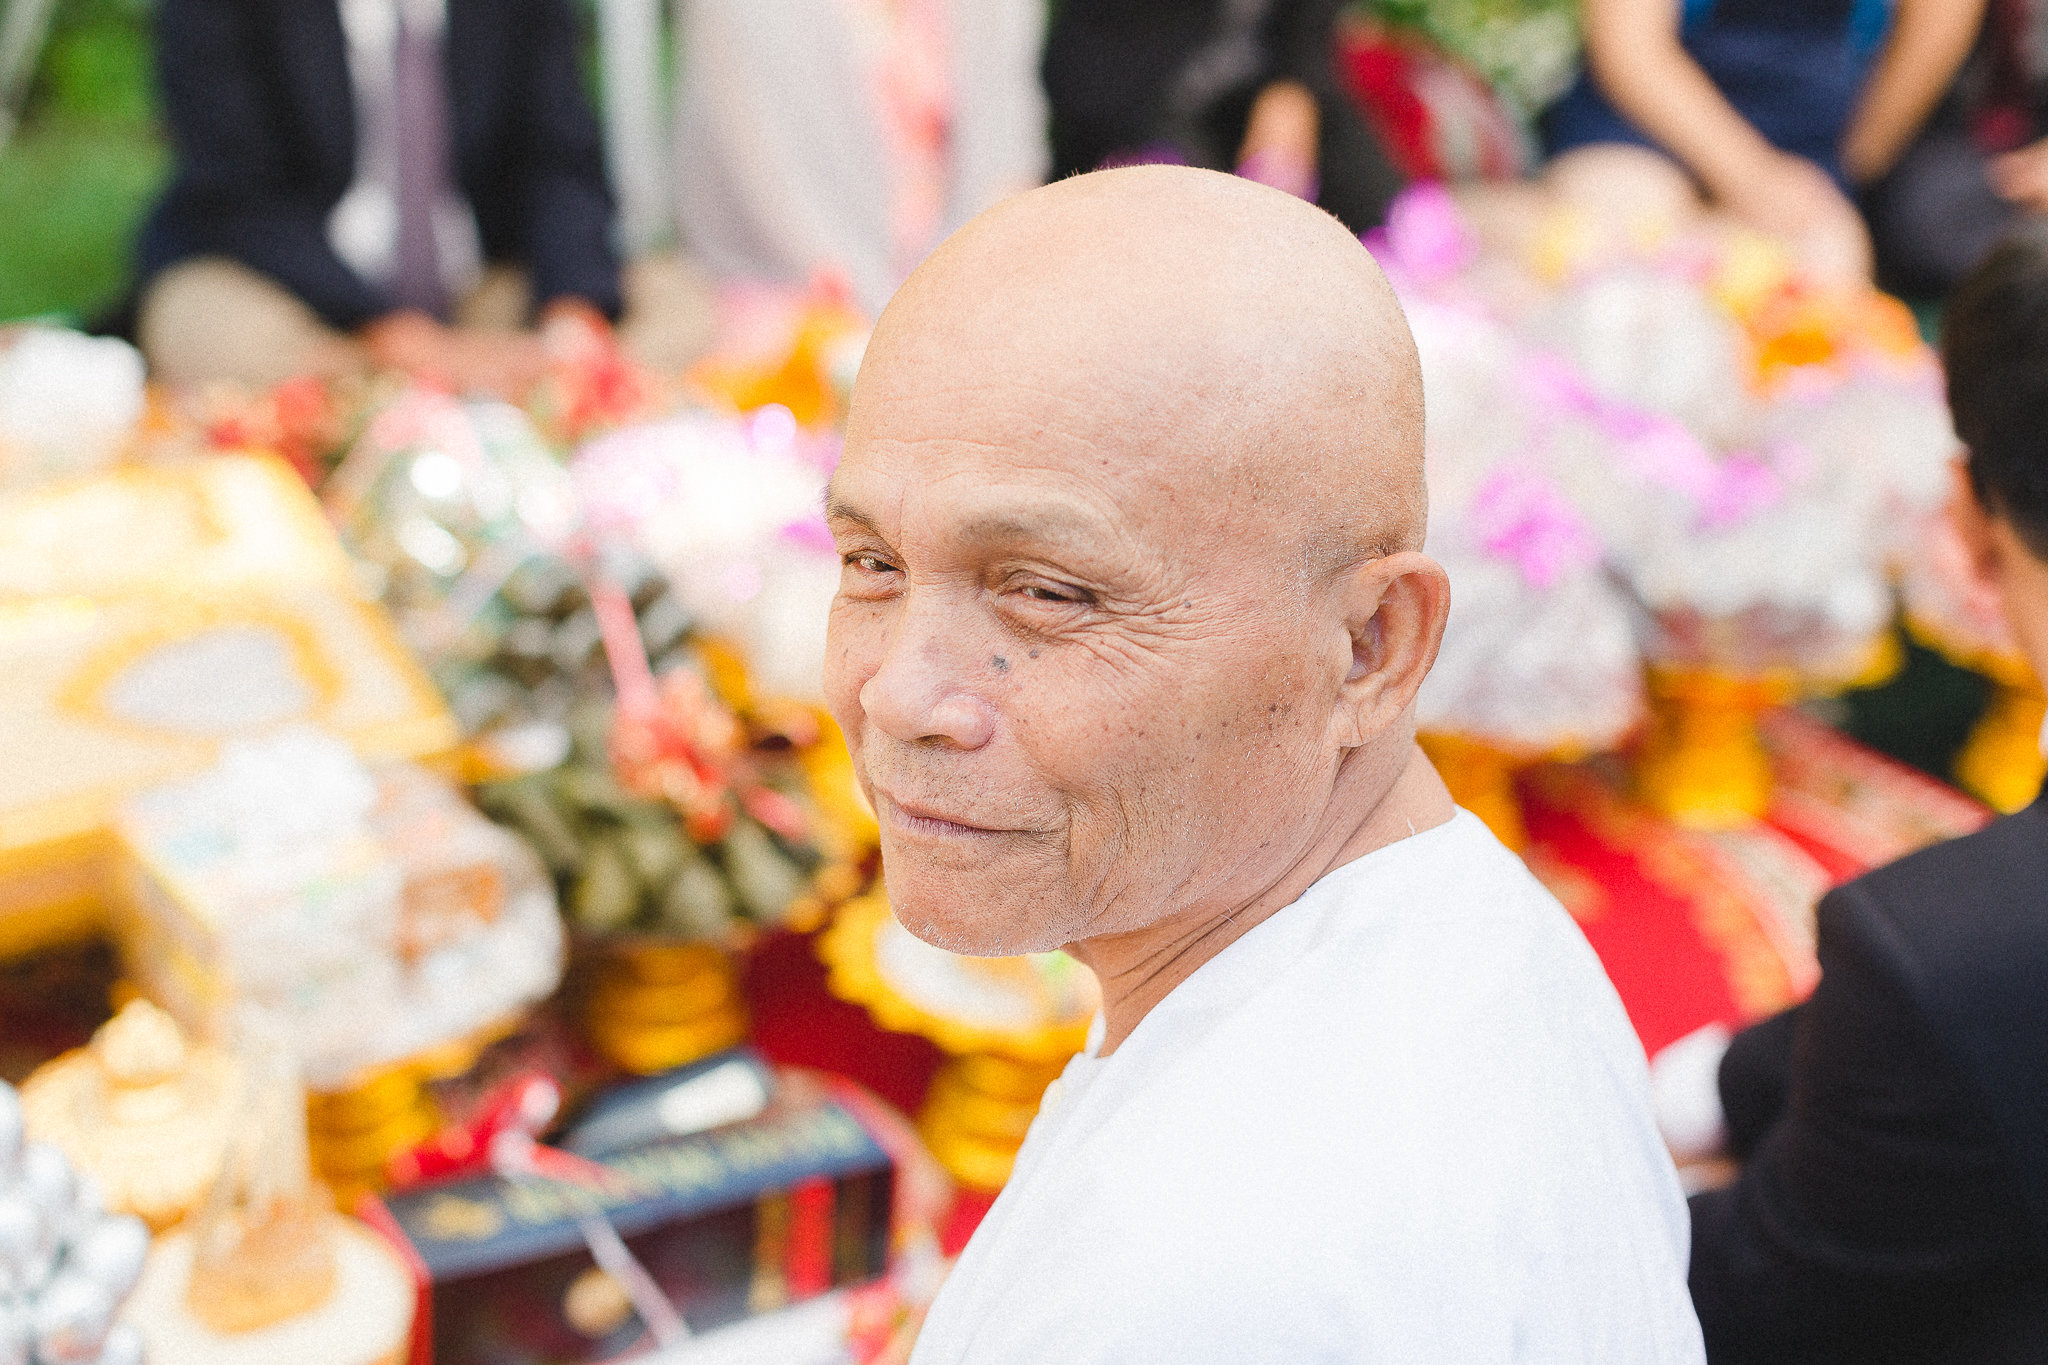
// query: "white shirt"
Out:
[363,228]
[1403,1120]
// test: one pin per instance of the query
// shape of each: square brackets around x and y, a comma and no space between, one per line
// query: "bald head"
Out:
[1132,614]
[1237,339]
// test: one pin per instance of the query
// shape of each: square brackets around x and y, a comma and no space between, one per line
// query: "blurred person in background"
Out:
[1772,111]
[1892,1205]
[1233,85]
[851,136]
[1978,169]
[411,183]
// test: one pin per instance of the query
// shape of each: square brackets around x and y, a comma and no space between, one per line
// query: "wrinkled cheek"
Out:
[853,639]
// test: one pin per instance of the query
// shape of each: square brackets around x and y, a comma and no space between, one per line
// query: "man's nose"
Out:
[923,690]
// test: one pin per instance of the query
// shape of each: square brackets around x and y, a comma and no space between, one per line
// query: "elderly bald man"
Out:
[1132,620]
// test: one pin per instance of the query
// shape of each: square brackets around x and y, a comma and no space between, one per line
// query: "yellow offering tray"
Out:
[204,526]
[146,616]
[1008,1024]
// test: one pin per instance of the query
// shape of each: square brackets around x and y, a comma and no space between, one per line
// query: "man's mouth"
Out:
[927,821]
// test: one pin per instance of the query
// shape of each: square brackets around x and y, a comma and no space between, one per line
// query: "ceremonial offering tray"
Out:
[375,912]
[673,830]
[1009,1025]
[744,1218]
[198,528]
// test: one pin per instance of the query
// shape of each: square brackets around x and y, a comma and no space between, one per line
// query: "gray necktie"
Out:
[421,97]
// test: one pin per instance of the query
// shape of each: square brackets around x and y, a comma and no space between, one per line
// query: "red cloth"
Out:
[1697,928]
[1436,118]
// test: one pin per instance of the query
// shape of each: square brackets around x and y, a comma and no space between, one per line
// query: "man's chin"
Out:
[971,923]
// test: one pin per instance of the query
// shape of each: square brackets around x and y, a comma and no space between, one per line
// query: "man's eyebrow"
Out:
[839,509]
[1041,522]
[992,528]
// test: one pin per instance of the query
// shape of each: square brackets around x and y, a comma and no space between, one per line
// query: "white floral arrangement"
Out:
[1690,440]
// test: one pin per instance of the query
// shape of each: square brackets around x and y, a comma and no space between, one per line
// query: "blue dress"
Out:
[1793,68]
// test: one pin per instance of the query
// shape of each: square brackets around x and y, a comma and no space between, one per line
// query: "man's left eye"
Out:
[1039,592]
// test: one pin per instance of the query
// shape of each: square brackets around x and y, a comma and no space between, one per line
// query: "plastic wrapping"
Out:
[373,911]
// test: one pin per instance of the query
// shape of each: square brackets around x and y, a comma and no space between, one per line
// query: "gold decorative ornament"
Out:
[650,1005]
[1010,1024]
[1481,778]
[1703,764]
[354,1132]
[141,1110]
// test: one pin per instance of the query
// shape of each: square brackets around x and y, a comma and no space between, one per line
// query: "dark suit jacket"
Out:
[1894,1202]
[262,114]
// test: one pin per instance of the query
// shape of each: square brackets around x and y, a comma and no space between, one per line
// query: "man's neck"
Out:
[1140,968]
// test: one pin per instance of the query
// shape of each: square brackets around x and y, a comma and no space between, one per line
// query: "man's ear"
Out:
[1971,521]
[1393,609]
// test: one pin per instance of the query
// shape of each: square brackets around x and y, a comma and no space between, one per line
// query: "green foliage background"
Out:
[1527,50]
[81,171]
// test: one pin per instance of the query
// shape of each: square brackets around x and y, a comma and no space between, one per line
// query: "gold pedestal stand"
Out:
[1703,764]
[2001,763]
[354,1132]
[977,1111]
[1008,1024]
[650,1005]
[1481,777]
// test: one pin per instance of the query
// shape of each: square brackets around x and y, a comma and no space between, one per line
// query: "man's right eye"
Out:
[868,563]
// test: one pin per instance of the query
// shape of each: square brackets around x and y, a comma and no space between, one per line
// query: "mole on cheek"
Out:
[999,664]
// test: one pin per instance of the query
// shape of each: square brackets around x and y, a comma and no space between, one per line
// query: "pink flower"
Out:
[1425,236]
[1522,518]
[1744,486]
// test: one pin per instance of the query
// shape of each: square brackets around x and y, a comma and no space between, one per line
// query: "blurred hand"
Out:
[1280,139]
[503,363]
[2021,177]
[1792,198]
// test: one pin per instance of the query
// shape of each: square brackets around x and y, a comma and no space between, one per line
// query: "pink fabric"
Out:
[916,98]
